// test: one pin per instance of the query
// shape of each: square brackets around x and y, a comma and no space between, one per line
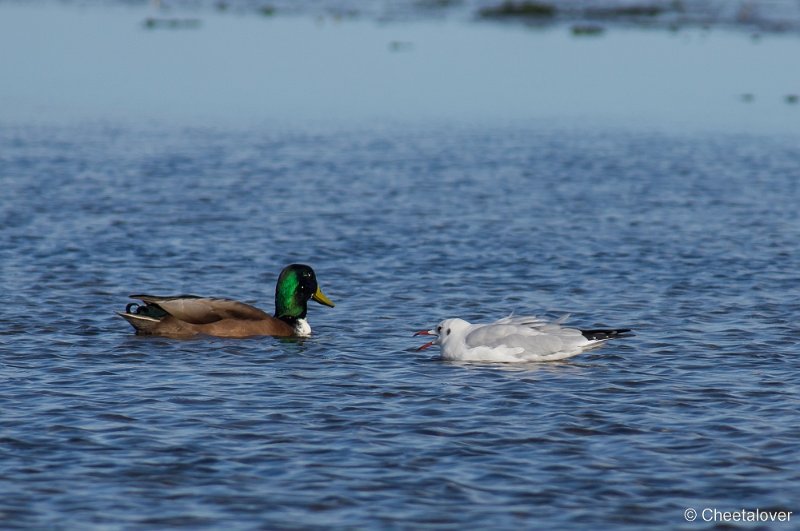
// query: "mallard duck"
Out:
[185,316]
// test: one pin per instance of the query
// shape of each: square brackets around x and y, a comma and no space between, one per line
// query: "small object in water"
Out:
[436,4]
[171,23]
[400,46]
[792,98]
[510,9]
[748,97]
[587,30]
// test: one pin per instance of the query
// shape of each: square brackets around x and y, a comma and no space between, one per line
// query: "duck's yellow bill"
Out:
[321,298]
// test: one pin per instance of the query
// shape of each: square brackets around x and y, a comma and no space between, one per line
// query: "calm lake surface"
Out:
[673,212]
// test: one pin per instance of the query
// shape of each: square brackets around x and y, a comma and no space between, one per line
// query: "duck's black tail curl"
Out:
[148,310]
[602,335]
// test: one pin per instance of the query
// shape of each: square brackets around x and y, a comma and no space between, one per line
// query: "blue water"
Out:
[690,241]
[688,235]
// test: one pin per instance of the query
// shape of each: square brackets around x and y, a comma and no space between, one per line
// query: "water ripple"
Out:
[691,241]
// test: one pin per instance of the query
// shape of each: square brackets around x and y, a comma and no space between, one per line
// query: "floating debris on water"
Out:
[791,99]
[753,16]
[171,23]
[401,46]
[587,30]
[519,10]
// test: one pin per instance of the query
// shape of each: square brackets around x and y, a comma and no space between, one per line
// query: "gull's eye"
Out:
[448,331]
[438,329]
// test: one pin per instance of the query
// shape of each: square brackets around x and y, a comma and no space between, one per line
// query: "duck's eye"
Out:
[448,331]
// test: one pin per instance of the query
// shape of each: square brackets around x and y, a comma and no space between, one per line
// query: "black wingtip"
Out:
[601,335]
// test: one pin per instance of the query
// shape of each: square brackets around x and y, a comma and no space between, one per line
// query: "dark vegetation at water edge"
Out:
[762,16]
[509,9]
[586,17]
[751,15]
[519,9]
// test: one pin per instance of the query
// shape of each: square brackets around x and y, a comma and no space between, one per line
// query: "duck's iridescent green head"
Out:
[297,284]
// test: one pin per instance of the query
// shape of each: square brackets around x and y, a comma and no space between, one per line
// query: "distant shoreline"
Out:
[586,17]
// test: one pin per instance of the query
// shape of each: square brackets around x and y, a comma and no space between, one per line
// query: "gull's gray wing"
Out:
[529,335]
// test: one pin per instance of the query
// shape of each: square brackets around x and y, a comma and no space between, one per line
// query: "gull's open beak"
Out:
[425,333]
[321,298]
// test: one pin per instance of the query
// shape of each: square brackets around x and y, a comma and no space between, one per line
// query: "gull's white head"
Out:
[447,331]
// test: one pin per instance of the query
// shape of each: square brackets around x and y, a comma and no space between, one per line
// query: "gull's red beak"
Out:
[429,344]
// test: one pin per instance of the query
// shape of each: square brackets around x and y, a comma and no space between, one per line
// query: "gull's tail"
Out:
[605,334]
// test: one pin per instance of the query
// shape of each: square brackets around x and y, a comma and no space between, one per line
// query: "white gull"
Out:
[515,339]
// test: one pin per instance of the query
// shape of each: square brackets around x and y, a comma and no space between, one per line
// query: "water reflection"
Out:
[102,64]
